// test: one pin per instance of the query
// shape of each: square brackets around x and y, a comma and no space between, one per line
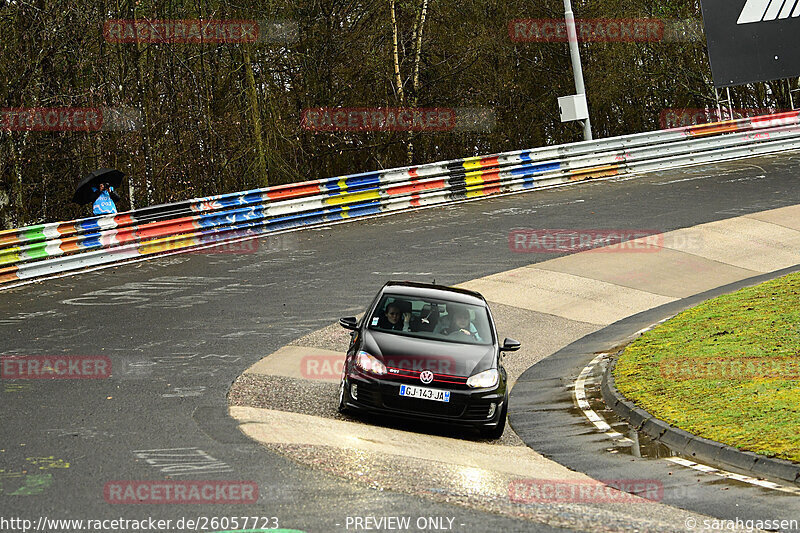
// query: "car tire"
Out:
[342,407]
[496,432]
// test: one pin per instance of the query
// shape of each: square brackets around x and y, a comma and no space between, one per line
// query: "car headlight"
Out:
[369,363]
[484,380]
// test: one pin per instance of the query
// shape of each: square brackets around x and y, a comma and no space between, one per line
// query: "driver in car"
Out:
[460,325]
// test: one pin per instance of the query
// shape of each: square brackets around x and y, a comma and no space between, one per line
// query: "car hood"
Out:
[440,357]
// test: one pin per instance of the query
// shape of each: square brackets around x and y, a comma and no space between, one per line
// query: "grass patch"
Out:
[727,370]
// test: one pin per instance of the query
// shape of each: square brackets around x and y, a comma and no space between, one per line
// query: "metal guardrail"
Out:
[42,250]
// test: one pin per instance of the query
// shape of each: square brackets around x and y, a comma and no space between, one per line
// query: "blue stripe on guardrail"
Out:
[530,169]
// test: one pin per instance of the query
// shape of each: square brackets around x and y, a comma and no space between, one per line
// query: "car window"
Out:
[432,319]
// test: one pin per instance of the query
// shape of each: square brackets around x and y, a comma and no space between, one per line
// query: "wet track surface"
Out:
[181,329]
[548,420]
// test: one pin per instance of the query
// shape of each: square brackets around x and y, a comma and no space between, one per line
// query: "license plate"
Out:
[426,394]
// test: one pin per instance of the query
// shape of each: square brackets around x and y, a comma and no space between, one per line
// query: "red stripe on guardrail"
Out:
[491,177]
[166,228]
[714,128]
[285,192]
[779,119]
[8,274]
[416,186]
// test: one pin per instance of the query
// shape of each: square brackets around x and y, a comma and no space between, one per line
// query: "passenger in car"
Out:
[395,318]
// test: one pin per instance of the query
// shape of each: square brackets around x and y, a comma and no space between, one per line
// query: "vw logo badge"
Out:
[426,376]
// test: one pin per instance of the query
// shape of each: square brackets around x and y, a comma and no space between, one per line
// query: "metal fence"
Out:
[48,249]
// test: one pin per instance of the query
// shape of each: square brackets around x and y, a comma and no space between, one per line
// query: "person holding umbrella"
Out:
[98,189]
[104,204]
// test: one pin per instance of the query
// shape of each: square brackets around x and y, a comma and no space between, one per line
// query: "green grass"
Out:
[727,370]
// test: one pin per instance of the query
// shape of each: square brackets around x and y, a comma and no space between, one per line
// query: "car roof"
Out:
[429,290]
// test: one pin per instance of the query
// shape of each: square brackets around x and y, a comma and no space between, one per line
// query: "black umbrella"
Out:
[84,193]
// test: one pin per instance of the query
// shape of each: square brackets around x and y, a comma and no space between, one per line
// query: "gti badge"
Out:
[426,376]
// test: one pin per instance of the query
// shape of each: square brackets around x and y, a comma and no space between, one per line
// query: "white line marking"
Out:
[749,178]
[730,475]
[682,180]
[583,404]
[579,395]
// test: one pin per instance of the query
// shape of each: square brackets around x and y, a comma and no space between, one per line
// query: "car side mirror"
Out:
[349,322]
[510,345]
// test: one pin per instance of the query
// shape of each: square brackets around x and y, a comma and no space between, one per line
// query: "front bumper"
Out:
[467,407]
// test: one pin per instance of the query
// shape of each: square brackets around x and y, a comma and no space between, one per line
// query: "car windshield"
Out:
[432,319]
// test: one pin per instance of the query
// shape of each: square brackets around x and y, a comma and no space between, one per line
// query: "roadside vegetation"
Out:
[727,370]
[223,117]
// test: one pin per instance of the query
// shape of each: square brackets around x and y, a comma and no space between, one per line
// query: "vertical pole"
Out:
[575,56]
[720,101]
[730,103]
[130,194]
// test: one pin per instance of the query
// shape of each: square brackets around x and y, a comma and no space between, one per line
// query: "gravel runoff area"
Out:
[263,402]
[319,398]
[727,370]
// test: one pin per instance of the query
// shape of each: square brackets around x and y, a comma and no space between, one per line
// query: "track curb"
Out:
[704,450]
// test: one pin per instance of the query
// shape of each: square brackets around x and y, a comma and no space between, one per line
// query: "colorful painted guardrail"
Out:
[43,250]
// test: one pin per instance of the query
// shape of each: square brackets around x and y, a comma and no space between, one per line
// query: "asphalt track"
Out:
[179,331]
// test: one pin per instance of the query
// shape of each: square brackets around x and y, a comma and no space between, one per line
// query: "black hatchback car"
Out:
[427,352]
